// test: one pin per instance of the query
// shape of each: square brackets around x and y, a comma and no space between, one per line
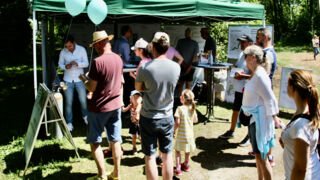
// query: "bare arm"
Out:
[90,84]
[139,86]
[179,57]
[176,125]
[301,156]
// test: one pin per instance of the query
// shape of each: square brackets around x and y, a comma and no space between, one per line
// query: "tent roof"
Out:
[222,9]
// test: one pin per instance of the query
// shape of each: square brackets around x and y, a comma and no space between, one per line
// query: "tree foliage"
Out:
[15,32]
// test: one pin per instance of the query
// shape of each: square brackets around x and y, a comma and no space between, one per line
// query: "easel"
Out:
[44,100]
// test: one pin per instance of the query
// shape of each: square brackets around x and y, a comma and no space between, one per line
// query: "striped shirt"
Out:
[185,129]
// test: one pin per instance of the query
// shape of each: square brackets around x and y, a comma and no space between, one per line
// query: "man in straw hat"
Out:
[105,81]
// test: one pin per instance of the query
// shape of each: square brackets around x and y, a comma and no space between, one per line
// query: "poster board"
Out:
[235,31]
[34,124]
[44,100]
[284,100]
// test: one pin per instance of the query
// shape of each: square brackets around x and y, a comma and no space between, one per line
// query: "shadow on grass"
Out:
[128,161]
[63,173]
[212,157]
[41,156]
[202,118]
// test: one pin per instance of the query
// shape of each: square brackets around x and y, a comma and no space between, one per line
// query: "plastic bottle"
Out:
[210,59]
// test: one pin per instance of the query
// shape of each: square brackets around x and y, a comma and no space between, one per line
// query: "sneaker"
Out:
[227,135]
[70,126]
[251,153]
[185,168]
[85,119]
[159,160]
[271,160]
[177,172]
[96,177]
[245,142]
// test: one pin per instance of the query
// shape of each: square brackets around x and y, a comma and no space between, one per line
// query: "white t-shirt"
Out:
[258,92]
[300,129]
[241,63]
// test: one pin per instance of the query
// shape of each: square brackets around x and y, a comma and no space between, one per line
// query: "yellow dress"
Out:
[184,136]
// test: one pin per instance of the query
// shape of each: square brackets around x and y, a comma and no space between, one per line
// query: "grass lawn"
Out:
[214,158]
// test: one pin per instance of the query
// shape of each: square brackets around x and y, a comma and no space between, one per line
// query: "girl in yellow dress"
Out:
[185,116]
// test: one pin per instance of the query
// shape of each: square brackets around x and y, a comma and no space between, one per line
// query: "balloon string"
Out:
[69,29]
[95,28]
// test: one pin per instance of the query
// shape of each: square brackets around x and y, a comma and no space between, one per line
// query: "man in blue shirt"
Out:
[121,45]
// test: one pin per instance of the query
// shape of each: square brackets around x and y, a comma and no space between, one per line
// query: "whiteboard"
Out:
[235,31]
[284,100]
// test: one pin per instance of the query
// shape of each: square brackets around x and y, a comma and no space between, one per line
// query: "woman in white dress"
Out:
[260,102]
[300,137]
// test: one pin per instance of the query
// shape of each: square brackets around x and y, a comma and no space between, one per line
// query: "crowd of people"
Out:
[152,97]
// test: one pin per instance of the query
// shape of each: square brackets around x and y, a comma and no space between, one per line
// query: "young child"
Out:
[134,106]
[185,116]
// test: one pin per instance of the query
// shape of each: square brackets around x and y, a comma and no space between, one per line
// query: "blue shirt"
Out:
[122,48]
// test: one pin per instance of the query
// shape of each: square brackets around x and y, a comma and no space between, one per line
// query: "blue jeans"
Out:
[81,90]
[315,51]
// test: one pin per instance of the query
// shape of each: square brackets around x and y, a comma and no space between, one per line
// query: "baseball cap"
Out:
[158,35]
[141,43]
[245,37]
[134,92]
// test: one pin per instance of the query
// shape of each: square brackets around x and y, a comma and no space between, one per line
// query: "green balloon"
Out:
[75,7]
[97,11]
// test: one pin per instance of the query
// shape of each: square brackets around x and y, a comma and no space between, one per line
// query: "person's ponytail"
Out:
[313,104]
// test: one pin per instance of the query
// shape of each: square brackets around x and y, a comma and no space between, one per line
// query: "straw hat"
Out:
[99,36]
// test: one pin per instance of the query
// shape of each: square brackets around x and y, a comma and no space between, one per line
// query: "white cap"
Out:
[141,43]
[158,35]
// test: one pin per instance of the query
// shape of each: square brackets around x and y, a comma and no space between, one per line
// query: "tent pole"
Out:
[44,29]
[34,35]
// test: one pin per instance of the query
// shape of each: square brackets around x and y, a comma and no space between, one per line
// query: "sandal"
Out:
[96,177]
[111,177]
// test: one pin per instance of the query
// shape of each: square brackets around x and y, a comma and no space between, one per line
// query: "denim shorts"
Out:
[253,138]
[98,121]
[153,130]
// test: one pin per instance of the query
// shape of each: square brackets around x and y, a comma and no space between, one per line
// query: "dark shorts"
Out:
[253,138]
[134,129]
[187,77]
[237,101]
[154,130]
[98,121]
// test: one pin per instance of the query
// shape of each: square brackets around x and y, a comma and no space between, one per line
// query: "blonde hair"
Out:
[188,99]
[303,82]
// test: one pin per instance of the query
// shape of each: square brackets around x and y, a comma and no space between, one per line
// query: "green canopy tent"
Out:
[161,10]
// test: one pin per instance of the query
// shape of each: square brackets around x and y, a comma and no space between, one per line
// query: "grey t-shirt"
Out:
[159,77]
[187,48]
